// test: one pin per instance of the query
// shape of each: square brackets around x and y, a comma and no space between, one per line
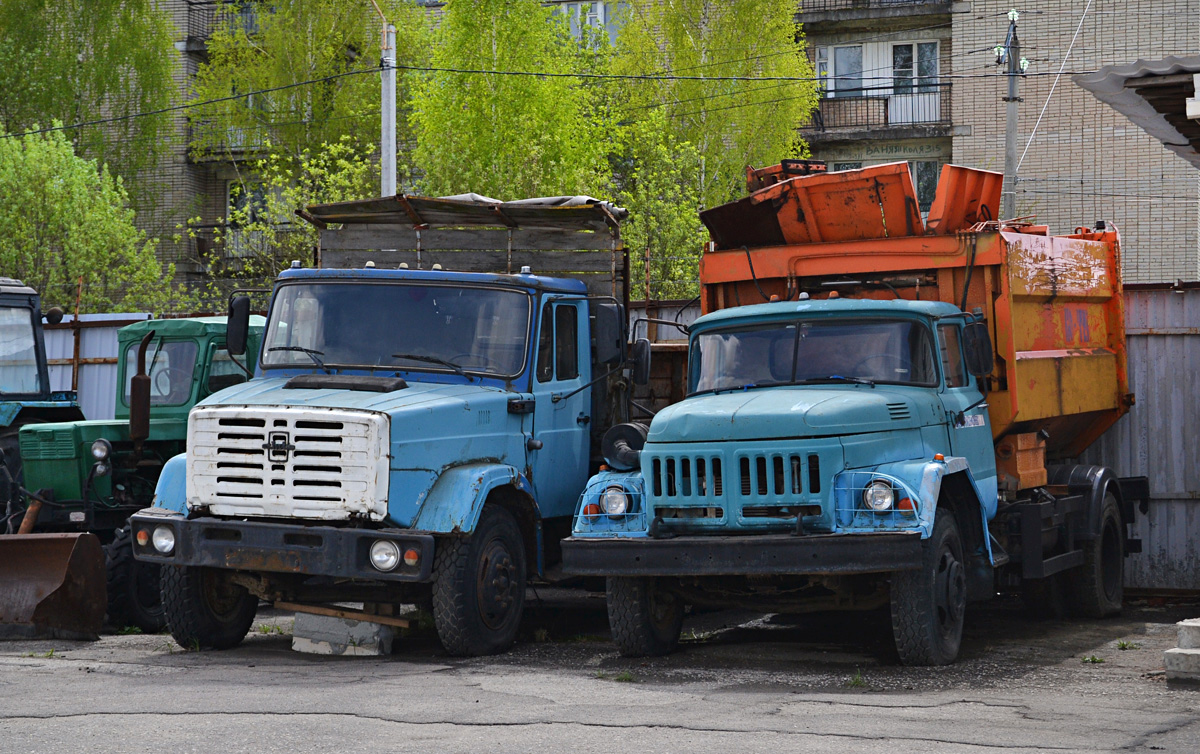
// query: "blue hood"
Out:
[785,412]
[270,392]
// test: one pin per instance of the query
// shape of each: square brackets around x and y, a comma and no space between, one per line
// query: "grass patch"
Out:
[623,677]
[696,637]
[857,681]
[129,631]
[1124,645]
[1093,659]
[271,628]
[541,636]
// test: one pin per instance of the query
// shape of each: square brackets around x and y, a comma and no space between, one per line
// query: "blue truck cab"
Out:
[409,436]
[810,467]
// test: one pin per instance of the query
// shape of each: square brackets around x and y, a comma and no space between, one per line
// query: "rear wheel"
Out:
[1097,588]
[204,608]
[479,586]
[134,596]
[928,603]
[645,618]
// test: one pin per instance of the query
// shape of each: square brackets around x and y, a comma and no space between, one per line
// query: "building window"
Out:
[925,177]
[244,204]
[823,70]
[914,63]
[847,71]
[840,166]
[601,17]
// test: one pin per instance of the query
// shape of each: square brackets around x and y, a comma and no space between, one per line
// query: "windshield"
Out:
[170,366]
[398,326]
[18,353]
[889,351]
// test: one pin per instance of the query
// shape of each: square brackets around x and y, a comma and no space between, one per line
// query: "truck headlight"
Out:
[878,496]
[615,501]
[101,449]
[385,555]
[163,539]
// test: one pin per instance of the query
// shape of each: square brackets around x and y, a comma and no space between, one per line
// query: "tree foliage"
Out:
[732,124]
[67,218]
[508,136]
[83,60]
[265,45]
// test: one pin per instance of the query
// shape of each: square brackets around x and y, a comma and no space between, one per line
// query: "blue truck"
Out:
[893,427]
[411,434]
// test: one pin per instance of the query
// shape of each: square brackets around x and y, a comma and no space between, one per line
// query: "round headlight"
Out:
[385,555]
[614,501]
[163,539]
[879,496]
[101,449]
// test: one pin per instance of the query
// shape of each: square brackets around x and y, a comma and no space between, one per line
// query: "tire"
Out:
[928,603]
[1096,589]
[645,619]
[134,591]
[204,610]
[1045,599]
[479,586]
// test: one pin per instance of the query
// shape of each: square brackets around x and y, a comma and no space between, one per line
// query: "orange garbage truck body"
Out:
[1053,304]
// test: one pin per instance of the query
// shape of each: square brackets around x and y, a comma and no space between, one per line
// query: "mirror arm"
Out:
[564,396]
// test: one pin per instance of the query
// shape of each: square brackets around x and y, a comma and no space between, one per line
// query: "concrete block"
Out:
[1182,664]
[325,635]
[1189,633]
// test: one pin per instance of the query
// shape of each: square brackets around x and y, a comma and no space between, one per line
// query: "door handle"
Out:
[583,419]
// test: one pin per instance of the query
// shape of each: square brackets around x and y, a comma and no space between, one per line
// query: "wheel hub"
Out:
[950,590]
[497,585]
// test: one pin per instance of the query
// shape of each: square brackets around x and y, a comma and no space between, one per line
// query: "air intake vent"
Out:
[898,411]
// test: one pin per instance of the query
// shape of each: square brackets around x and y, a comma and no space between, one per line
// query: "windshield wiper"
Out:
[747,386]
[432,360]
[837,378]
[312,354]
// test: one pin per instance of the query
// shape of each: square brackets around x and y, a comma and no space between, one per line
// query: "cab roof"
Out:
[872,307]
[373,274]
[189,327]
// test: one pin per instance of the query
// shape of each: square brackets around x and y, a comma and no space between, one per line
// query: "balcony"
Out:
[205,18]
[838,12]
[887,112]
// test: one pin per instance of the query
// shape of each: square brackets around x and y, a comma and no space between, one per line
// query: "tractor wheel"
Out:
[204,609]
[1096,589]
[134,597]
[928,603]
[479,586]
[645,618]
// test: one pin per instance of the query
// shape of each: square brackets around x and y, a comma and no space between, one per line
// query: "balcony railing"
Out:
[234,15]
[882,107]
[818,6]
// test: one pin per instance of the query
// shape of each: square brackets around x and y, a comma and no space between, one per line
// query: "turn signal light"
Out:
[411,557]
[143,537]
[905,506]
[939,457]
[591,509]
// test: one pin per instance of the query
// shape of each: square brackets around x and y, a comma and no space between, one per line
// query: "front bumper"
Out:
[280,548]
[768,554]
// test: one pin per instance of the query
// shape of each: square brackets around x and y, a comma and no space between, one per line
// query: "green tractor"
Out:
[91,475]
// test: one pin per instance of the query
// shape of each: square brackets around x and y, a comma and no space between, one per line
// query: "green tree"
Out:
[661,188]
[83,60]
[67,218]
[508,136]
[265,45]
[732,124]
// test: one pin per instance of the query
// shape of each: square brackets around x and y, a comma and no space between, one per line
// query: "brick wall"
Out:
[1086,161]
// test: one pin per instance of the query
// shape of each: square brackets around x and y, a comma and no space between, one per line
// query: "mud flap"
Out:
[54,586]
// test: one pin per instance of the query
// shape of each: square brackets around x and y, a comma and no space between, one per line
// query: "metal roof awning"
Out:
[1153,94]
[468,221]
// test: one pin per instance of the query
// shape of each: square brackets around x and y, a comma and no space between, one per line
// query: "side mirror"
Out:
[237,327]
[641,361]
[53,315]
[608,332]
[139,395]
[978,347]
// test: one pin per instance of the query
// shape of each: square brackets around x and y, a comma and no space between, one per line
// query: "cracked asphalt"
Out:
[742,682]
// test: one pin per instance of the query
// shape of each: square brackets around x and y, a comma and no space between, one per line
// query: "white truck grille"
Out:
[325,464]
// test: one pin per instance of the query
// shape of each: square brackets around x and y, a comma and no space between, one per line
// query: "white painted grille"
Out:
[325,464]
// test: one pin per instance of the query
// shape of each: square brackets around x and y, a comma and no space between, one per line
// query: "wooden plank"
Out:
[332,612]
[376,236]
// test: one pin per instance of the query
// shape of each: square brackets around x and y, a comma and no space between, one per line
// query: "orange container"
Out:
[1053,303]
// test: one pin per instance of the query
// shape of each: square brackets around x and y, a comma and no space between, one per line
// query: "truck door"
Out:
[970,431]
[560,421]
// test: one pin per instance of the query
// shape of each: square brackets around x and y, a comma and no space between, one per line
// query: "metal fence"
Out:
[812,6]
[1158,438]
[882,107]
[82,356]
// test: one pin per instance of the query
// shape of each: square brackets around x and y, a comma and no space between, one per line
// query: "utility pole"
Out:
[1010,54]
[387,114]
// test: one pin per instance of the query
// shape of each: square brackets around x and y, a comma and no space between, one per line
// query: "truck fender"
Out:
[1093,481]
[456,499]
[928,478]
[171,491]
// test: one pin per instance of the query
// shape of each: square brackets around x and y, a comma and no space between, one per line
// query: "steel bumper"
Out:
[768,554]
[280,548]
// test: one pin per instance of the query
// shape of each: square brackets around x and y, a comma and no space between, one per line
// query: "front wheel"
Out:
[134,596]
[928,603]
[204,608]
[1097,588]
[645,618]
[479,586]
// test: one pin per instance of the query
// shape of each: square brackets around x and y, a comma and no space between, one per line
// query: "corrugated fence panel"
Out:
[97,381]
[1160,437]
